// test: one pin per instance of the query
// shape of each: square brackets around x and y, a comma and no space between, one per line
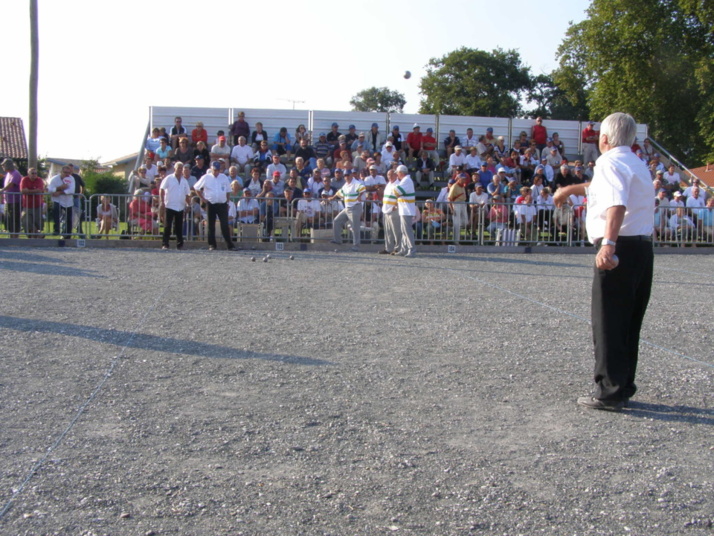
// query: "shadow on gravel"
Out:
[18,255]
[47,269]
[661,412]
[149,342]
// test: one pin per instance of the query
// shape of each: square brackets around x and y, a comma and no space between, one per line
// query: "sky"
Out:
[103,64]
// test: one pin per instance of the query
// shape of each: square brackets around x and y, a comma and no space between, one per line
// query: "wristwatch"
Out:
[607,242]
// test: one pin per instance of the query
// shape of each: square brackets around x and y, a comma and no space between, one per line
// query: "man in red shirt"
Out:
[414,141]
[31,187]
[539,134]
[590,141]
[429,143]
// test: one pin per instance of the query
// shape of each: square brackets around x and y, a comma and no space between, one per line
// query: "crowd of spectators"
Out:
[488,187]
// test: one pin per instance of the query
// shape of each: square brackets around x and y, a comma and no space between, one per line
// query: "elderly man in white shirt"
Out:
[457,158]
[214,188]
[242,155]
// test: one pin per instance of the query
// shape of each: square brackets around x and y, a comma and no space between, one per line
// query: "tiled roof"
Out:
[13,143]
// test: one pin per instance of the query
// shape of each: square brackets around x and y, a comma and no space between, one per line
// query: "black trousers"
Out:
[219,210]
[174,218]
[619,302]
[57,212]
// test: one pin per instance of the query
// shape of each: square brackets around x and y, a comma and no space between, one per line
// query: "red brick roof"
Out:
[13,143]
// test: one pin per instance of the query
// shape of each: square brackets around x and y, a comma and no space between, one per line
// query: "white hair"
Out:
[403,169]
[620,129]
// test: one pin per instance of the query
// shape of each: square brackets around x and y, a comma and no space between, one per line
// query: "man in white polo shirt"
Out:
[214,188]
[174,199]
[353,194]
[406,205]
[620,222]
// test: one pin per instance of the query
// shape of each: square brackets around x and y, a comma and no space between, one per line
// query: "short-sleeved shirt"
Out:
[406,202]
[215,188]
[352,193]
[175,191]
[621,179]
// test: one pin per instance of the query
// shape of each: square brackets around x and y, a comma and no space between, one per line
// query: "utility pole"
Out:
[34,78]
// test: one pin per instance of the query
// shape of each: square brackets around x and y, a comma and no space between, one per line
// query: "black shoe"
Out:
[383,252]
[179,247]
[596,403]
[232,248]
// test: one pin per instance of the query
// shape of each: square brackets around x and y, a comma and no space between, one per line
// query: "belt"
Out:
[633,238]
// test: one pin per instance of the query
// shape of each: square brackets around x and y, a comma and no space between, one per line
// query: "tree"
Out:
[378,99]
[474,82]
[652,59]
[553,101]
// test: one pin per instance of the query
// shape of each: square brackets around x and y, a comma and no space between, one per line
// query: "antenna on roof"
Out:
[293,101]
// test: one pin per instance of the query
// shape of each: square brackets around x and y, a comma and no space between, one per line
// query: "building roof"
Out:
[128,159]
[13,143]
[705,174]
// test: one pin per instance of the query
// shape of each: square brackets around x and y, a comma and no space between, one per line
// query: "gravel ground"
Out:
[195,393]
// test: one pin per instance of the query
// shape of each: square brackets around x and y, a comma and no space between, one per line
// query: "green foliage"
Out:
[103,183]
[378,99]
[474,82]
[651,59]
[553,101]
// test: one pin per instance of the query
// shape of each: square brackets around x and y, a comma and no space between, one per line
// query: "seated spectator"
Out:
[451,142]
[247,209]
[374,182]
[414,142]
[199,134]
[242,156]
[398,140]
[525,214]
[373,139]
[276,165]
[433,221]
[163,151]
[183,153]
[201,150]
[107,215]
[522,143]
[254,184]
[388,153]
[479,205]
[498,215]
[558,144]
[301,133]
[339,179]
[681,225]
[258,137]
[544,205]
[262,157]
[425,167]
[564,177]
[485,175]
[695,203]
[695,183]
[220,150]
[323,149]
[333,137]
[528,163]
[308,211]
[177,131]
[360,161]
[141,217]
[473,160]
[236,181]
[329,209]
[315,182]
[306,153]
[457,160]
[240,127]
[282,145]
[351,135]
[152,142]
[201,167]
[292,194]
[499,149]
